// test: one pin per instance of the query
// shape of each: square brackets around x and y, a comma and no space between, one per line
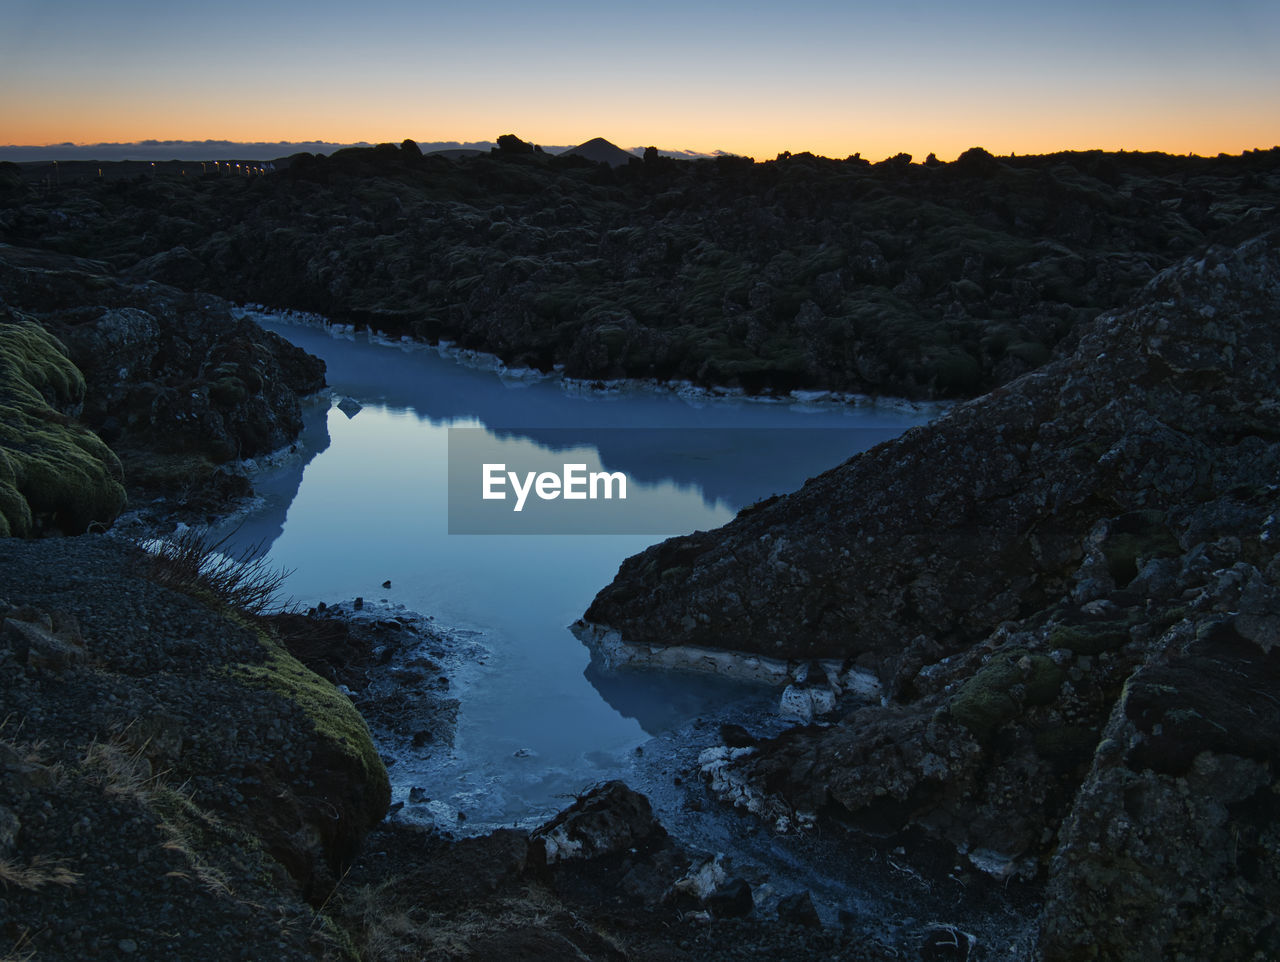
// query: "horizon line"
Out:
[152,144]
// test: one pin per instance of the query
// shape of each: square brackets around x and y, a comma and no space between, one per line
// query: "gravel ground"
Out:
[150,801]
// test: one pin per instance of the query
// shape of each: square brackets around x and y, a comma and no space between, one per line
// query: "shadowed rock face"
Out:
[196,783]
[983,516]
[166,369]
[176,383]
[1070,591]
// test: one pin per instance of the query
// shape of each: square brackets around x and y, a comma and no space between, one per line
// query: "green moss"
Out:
[36,368]
[335,718]
[53,471]
[227,392]
[1090,639]
[997,692]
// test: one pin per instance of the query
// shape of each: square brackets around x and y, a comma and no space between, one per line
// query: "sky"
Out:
[753,78]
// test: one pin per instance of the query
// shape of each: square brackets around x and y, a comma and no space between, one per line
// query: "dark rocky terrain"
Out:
[1069,590]
[173,784]
[896,278]
[178,386]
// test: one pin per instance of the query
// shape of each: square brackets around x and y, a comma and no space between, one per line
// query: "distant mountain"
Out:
[602,152]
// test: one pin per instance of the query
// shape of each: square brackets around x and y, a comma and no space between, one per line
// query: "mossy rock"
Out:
[1002,687]
[54,472]
[1091,639]
[227,392]
[679,573]
[335,717]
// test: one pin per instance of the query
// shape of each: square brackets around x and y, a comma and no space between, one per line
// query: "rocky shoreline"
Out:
[1068,589]
[1032,651]
[159,748]
[244,771]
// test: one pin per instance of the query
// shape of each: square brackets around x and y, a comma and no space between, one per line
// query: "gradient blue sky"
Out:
[746,77]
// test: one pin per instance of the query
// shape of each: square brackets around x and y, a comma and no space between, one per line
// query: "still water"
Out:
[368,503]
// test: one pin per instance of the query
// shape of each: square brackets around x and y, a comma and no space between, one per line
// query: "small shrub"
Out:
[193,562]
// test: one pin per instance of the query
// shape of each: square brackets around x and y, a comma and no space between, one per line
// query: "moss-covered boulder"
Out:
[174,781]
[55,474]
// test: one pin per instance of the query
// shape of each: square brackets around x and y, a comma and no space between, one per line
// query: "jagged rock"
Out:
[41,640]
[1178,809]
[607,819]
[797,909]
[1071,590]
[838,569]
[731,900]
[172,371]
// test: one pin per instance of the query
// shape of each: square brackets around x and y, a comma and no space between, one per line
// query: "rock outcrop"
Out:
[178,384]
[172,782]
[175,371]
[1070,590]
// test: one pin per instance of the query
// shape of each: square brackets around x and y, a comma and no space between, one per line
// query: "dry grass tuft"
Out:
[20,952]
[124,772]
[193,561]
[39,872]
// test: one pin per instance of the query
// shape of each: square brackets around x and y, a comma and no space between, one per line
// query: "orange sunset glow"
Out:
[750,80]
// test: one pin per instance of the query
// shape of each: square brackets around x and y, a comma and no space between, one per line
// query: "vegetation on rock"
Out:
[919,280]
[55,474]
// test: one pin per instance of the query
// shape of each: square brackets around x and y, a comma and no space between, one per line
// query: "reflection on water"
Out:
[371,506]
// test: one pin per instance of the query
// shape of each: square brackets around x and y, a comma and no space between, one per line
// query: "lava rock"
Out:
[732,900]
[797,909]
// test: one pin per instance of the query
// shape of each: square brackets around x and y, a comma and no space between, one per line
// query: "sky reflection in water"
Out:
[371,505]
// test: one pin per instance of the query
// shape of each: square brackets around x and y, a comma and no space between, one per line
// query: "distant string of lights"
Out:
[53,177]
[228,167]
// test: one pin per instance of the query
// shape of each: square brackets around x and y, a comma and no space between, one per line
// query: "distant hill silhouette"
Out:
[602,152]
[457,153]
[920,280]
